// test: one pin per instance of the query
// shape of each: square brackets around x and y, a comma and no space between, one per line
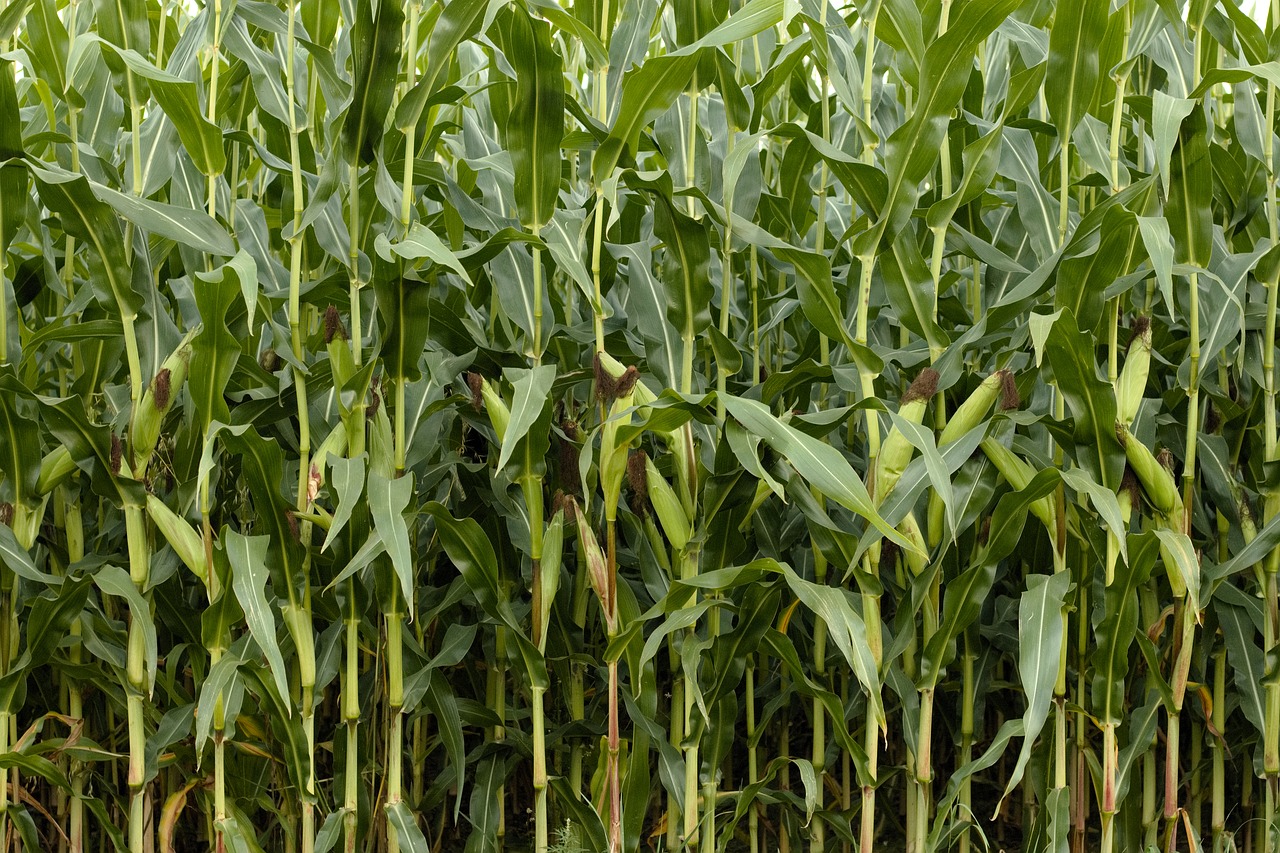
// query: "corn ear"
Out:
[55,468]
[681,444]
[496,408]
[597,566]
[613,459]
[896,450]
[334,444]
[1012,467]
[666,505]
[1157,481]
[1131,384]
[636,394]
[136,661]
[917,558]
[298,621]
[975,408]
[656,544]
[549,575]
[1177,583]
[640,394]
[1124,498]
[613,453]
[25,522]
[1018,473]
[181,536]
[156,402]
[335,342]
[997,386]
[936,519]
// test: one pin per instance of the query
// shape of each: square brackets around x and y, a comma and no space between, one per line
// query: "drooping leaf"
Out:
[247,556]
[215,350]
[532,393]
[388,499]
[819,463]
[1040,626]
[113,580]
[471,552]
[1091,400]
[93,222]
[179,99]
[183,225]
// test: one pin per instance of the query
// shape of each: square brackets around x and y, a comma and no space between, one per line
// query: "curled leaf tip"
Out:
[924,386]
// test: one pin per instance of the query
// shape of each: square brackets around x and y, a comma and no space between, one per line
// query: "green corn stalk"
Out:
[299,619]
[895,454]
[346,362]
[131,138]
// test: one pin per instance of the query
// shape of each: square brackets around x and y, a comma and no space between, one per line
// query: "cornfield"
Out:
[618,425]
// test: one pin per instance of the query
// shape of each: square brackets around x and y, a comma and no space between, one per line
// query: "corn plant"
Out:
[716,425]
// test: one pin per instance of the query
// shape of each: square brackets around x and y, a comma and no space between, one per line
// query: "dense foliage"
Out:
[701,425]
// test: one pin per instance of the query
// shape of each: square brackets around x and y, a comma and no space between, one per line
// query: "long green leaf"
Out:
[536,123]
[375,51]
[247,556]
[1040,626]
[1078,29]
[388,499]
[819,463]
